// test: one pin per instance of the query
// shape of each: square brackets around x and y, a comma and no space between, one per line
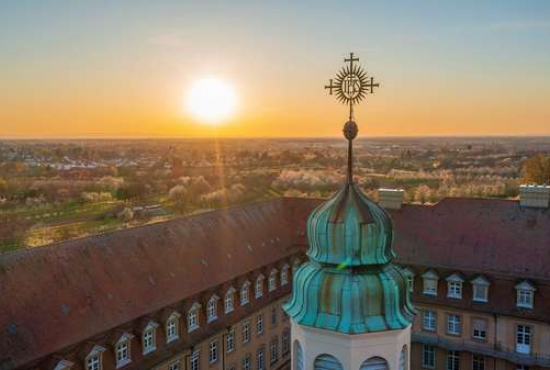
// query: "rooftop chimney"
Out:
[391,198]
[535,196]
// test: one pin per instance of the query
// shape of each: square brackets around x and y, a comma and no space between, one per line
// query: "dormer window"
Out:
[94,360]
[525,294]
[245,299]
[122,350]
[172,327]
[430,279]
[454,286]
[193,317]
[230,300]
[284,274]
[259,286]
[409,278]
[480,287]
[63,365]
[273,280]
[212,308]
[149,338]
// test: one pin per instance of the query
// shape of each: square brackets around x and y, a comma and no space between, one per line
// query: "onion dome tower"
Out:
[350,307]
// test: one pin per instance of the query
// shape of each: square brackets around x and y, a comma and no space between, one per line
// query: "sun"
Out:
[212,100]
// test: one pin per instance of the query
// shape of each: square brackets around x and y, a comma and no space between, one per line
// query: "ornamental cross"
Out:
[352,83]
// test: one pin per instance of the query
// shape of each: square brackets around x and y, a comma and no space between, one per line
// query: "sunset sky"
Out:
[107,68]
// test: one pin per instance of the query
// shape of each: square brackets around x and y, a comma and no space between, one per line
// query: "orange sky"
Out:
[450,70]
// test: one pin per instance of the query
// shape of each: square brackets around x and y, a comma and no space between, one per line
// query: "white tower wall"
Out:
[351,350]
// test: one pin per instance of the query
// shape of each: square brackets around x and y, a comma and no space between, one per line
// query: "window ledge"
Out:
[172,338]
[123,363]
[149,350]
[212,318]
[192,328]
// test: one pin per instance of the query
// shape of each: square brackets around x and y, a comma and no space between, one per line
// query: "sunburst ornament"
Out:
[352,83]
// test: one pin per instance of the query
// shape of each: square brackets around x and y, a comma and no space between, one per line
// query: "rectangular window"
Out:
[176,365]
[525,298]
[195,361]
[410,283]
[481,293]
[478,362]
[272,282]
[523,339]
[285,341]
[479,328]
[453,324]
[260,324]
[213,351]
[430,286]
[522,367]
[274,350]
[172,329]
[260,359]
[453,360]
[246,332]
[454,289]
[148,341]
[274,312]
[428,356]
[93,362]
[429,320]
[246,362]
[229,303]
[230,341]
[122,353]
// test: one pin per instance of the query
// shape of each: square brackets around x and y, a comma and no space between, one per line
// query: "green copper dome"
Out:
[350,230]
[349,284]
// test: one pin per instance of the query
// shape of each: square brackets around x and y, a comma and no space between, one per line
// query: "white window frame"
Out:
[149,338]
[213,355]
[193,317]
[123,346]
[525,295]
[245,293]
[230,341]
[229,301]
[172,327]
[454,286]
[272,284]
[480,285]
[429,320]
[429,357]
[274,350]
[175,365]
[454,324]
[453,360]
[212,308]
[259,287]
[195,361]
[246,332]
[480,360]
[524,338]
[260,324]
[260,358]
[94,359]
[284,274]
[430,283]
[409,278]
[246,361]
[477,332]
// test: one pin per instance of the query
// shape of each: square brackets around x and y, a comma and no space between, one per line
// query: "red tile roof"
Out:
[61,294]
[490,235]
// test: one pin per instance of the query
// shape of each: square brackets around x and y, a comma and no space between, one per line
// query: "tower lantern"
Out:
[350,307]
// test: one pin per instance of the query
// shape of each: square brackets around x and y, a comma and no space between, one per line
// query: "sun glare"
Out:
[212,101]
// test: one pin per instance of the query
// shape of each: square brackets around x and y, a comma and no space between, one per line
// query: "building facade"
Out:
[160,296]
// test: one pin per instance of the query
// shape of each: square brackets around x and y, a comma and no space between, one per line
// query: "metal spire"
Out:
[351,85]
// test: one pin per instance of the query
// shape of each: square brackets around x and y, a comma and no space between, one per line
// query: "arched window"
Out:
[212,308]
[374,363]
[298,356]
[245,293]
[327,362]
[403,359]
[193,317]
[229,303]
